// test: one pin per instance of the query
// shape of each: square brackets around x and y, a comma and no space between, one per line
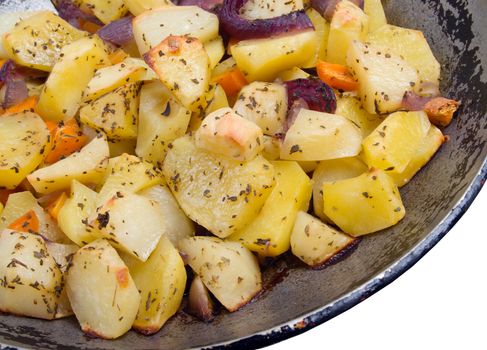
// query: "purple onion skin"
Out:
[71,13]
[119,32]
[326,8]
[240,28]
[207,5]
[318,95]
[16,92]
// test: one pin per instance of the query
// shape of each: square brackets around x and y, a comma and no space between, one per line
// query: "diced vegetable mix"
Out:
[140,136]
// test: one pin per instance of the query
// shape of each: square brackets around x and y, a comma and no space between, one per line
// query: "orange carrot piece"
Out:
[117,56]
[68,138]
[28,104]
[336,75]
[54,208]
[232,81]
[89,27]
[26,223]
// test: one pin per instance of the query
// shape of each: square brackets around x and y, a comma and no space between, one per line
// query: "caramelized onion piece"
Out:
[240,28]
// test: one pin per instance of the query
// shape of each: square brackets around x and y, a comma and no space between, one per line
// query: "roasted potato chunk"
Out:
[31,282]
[396,140]
[176,224]
[102,293]
[105,11]
[268,234]
[73,216]
[43,30]
[161,281]
[116,113]
[183,66]
[321,136]
[364,204]
[60,98]
[131,223]
[314,242]
[87,166]
[24,139]
[265,104]
[162,120]
[227,269]
[217,192]
[227,133]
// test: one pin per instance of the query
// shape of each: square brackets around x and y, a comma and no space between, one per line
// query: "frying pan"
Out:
[296,298]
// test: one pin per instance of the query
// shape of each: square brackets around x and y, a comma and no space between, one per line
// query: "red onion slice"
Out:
[207,5]
[239,28]
[119,32]
[199,301]
[319,96]
[72,14]
[16,92]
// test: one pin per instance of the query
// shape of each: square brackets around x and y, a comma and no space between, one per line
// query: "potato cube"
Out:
[162,120]
[20,203]
[377,16]
[314,242]
[62,255]
[183,66]
[265,104]
[396,140]
[31,282]
[61,96]
[161,281]
[263,9]
[227,133]
[102,293]
[115,113]
[215,50]
[43,30]
[73,216]
[329,171]
[351,108]
[131,223]
[272,148]
[264,59]
[128,174]
[87,166]
[349,23]
[429,146]
[384,77]
[176,224]
[227,269]
[24,139]
[151,27]
[107,79]
[219,193]
[268,234]
[364,204]
[321,136]
[8,21]
[105,11]
[137,7]
[322,29]
[412,45]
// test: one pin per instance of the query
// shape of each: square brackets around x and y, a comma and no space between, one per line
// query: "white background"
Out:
[440,303]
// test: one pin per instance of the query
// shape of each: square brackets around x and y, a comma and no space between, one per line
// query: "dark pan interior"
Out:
[302,298]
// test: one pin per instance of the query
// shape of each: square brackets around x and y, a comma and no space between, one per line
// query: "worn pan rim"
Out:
[325,313]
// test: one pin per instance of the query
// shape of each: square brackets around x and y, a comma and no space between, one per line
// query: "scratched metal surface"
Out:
[457,31]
